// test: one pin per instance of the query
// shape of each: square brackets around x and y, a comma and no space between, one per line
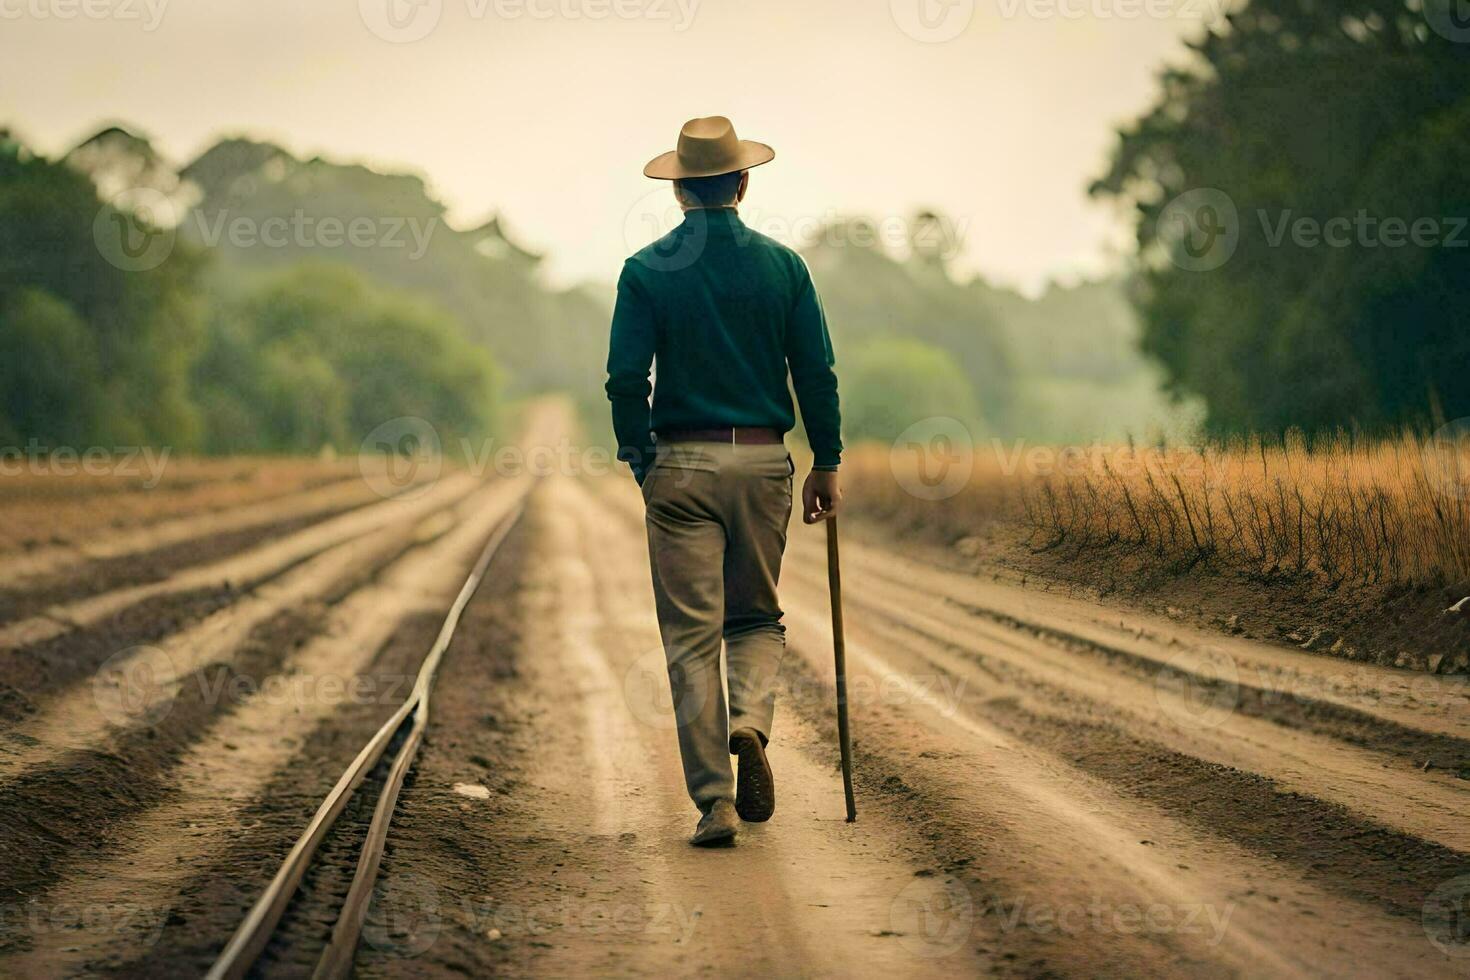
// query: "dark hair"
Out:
[711,191]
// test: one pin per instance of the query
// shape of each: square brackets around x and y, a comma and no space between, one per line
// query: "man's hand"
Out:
[820,496]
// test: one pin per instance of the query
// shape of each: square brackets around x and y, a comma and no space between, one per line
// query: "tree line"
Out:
[294,359]
[1302,202]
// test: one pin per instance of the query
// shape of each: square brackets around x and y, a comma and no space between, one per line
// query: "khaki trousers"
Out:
[717,516]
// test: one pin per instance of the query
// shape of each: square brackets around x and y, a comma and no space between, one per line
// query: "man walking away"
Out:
[727,314]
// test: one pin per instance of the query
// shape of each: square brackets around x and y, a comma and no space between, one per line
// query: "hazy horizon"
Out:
[1000,128]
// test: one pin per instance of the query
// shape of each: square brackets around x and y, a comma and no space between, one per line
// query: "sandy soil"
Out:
[1396,625]
[1047,785]
[57,505]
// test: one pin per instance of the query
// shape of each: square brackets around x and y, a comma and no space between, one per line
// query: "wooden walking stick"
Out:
[839,652]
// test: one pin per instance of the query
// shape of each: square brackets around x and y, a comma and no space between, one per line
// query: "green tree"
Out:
[868,294]
[50,379]
[1296,109]
[317,356]
[143,327]
[889,383]
[492,285]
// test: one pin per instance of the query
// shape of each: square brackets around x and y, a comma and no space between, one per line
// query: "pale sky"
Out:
[546,110]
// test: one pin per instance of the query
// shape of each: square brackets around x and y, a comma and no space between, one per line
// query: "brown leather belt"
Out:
[737,436]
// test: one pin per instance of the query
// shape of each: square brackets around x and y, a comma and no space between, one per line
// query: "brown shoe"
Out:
[716,827]
[755,787]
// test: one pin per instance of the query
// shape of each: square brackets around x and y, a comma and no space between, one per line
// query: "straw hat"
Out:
[708,147]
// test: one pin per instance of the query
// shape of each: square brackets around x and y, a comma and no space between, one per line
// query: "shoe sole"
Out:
[715,840]
[755,791]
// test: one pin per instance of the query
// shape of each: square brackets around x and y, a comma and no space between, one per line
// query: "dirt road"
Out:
[1046,786]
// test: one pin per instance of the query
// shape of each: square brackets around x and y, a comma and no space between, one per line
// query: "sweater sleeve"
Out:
[629,360]
[810,358]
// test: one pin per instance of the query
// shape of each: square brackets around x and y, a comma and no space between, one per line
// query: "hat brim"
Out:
[666,166]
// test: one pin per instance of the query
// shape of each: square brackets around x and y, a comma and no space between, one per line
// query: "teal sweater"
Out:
[725,312]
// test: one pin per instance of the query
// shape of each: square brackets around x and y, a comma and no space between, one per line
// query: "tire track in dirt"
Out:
[85,710]
[846,890]
[55,563]
[1030,805]
[596,876]
[1429,806]
[1078,845]
[243,750]
[50,813]
[60,816]
[64,520]
[211,904]
[447,854]
[982,859]
[151,565]
[34,672]
[1055,816]
[250,569]
[1301,688]
[1277,703]
[1180,866]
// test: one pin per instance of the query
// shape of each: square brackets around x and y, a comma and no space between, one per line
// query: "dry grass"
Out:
[1342,510]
